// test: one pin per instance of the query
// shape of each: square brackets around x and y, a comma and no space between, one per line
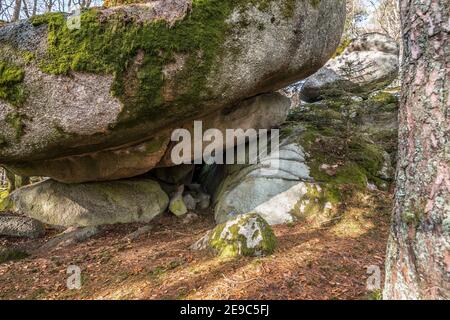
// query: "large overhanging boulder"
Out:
[117,86]
[369,63]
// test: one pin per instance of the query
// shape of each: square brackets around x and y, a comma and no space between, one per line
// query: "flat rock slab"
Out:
[91,204]
[17,226]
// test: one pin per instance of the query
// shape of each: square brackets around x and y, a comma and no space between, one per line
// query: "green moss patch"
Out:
[336,135]
[11,78]
[384,98]
[137,52]
[12,255]
[345,42]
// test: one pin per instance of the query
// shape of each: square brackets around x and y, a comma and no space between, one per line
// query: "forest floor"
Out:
[309,263]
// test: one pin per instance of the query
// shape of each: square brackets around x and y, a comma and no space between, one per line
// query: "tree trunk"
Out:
[16,13]
[418,255]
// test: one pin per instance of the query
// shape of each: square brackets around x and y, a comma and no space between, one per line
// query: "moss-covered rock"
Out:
[365,64]
[11,78]
[333,149]
[349,141]
[91,204]
[12,254]
[270,189]
[176,204]
[246,235]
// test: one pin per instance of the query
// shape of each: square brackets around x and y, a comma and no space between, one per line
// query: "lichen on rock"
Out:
[131,72]
[91,204]
[246,235]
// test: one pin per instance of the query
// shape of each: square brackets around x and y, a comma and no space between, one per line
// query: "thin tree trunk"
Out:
[418,255]
[16,13]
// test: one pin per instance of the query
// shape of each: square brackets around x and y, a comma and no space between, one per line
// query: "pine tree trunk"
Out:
[418,255]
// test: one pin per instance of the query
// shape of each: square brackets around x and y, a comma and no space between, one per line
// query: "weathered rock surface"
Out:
[91,204]
[104,109]
[261,112]
[176,204]
[19,226]
[246,235]
[69,237]
[370,62]
[332,144]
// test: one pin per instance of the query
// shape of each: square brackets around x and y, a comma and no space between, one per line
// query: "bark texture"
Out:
[418,257]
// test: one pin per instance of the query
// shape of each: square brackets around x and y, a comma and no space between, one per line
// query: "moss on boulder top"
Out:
[113,3]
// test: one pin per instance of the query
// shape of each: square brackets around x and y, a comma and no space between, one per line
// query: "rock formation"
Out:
[245,235]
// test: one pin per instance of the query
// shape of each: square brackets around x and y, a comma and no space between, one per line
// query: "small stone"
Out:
[372,187]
